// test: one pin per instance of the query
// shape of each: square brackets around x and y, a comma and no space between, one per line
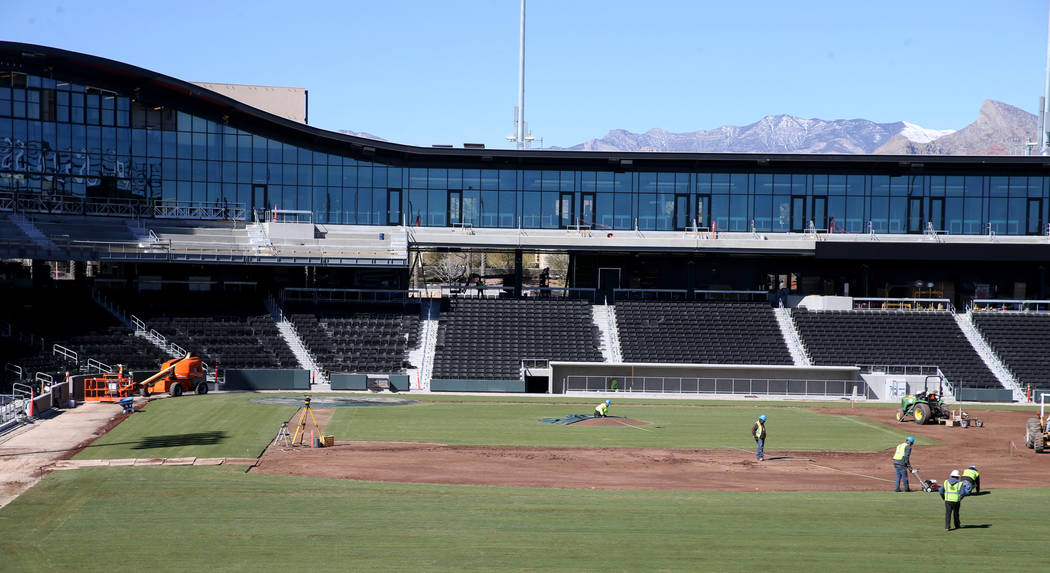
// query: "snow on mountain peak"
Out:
[920,134]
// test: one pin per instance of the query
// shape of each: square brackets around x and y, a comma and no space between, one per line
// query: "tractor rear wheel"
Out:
[1031,430]
[922,413]
[202,388]
[1039,443]
[175,390]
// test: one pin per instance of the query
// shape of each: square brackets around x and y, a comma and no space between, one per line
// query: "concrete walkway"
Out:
[26,453]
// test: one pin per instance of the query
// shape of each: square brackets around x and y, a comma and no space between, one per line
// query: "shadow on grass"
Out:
[981,526]
[176,440]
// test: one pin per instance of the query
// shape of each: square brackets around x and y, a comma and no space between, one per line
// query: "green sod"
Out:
[215,425]
[232,425]
[673,425]
[220,519]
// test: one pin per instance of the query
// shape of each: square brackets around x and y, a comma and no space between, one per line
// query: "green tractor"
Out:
[925,406]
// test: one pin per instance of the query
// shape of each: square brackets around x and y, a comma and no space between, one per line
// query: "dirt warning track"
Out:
[989,448]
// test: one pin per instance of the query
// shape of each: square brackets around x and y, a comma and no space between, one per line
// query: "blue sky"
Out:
[423,72]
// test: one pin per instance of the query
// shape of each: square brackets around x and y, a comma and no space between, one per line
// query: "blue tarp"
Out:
[570,419]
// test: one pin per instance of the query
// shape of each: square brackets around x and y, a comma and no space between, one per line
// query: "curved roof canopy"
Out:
[160,89]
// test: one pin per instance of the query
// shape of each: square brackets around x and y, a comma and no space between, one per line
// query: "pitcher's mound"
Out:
[611,422]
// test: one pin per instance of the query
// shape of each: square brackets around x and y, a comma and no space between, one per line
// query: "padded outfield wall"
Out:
[747,379]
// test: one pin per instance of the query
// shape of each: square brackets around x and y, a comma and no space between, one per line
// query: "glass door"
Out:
[681,212]
[455,208]
[915,215]
[260,201]
[565,211]
[798,214]
[819,214]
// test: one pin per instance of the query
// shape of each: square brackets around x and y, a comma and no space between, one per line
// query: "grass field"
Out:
[223,519]
[232,425]
[673,425]
[215,425]
[220,519]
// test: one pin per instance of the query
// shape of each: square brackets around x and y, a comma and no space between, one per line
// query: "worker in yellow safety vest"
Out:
[952,493]
[602,410]
[972,478]
[758,431]
[902,463]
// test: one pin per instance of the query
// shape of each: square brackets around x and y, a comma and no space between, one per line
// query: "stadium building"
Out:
[156,193]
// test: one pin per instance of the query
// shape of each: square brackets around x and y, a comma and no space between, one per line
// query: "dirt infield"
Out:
[989,448]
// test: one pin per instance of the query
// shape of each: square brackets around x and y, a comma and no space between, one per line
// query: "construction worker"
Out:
[902,463]
[952,493]
[602,410]
[971,480]
[758,431]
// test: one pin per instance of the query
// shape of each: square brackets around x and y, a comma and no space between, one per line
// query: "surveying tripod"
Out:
[301,426]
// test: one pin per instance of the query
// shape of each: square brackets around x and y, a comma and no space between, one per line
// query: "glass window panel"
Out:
[472,179]
[665,210]
[214,171]
[737,213]
[531,216]
[417,207]
[229,172]
[335,175]
[436,178]
[290,174]
[349,177]
[855,186]
[490,208]
[417,178]
[364,176]
[320,176]
[550,180]
[508,209]
[622,213]
[305,174]
[588,182]
[855,220]
[1017,216]
[880,211]
[394,177]
[508,180]
[763,217]
[998,187]
[1018,186]
[997,209]
[953,214]
[274,151]
[899,214]
[531,181]
[305,155]
[646,217]
[437,200]
[455,179]
[647,183]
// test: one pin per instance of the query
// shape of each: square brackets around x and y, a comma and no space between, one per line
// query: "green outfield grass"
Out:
[221,519]
[215,425]
[673,425]
[232,425]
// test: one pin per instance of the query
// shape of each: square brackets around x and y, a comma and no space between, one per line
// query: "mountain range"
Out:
[1000,129]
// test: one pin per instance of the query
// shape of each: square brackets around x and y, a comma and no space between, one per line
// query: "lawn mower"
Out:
[927,485]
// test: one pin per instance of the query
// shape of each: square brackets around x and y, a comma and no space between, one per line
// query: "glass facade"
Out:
[64,138]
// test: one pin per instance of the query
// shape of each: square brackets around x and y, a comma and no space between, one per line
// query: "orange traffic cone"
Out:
[29,410]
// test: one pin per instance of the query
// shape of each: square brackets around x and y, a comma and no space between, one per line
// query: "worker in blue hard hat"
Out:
[902,463]
[758,432]
[971,480]
[602,410]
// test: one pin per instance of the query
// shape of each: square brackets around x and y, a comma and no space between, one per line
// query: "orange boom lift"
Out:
[176,376]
